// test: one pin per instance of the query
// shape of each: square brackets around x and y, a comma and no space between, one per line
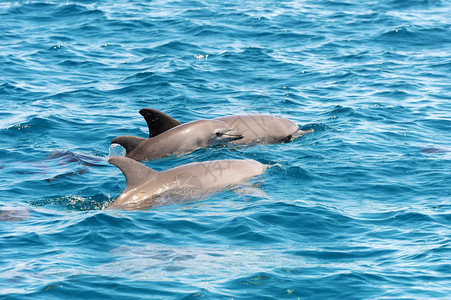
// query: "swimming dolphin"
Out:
[146,187]
[180,139]
[256,129]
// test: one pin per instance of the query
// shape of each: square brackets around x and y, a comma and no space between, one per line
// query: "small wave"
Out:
[340,111]
[254,54]
[9,89]
[413,36]
[350,254]
[176,46]
[399,4]
[76,10]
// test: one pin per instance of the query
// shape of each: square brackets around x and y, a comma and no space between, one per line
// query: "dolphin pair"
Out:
[168,136]
[146,187]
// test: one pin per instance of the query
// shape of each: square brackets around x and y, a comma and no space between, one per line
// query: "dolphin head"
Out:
[223,133]
[217,132]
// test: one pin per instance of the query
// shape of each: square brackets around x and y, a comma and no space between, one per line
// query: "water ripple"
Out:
[357,209]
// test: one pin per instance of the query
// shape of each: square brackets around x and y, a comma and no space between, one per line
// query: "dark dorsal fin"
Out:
[135,172]
[157,121]
[128,142]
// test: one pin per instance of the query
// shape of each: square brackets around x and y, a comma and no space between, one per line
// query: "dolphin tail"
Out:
[128,142]
[158,121]
[135,173]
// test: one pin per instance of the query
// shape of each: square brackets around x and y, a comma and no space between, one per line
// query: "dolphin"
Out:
[256,129]
[146,187]
[180,139]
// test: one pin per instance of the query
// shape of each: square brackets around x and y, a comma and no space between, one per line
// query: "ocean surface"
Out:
[358,209]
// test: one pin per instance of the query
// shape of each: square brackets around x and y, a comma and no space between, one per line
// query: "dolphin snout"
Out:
[233,135]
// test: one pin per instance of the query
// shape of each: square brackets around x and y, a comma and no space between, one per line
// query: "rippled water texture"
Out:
[359,209]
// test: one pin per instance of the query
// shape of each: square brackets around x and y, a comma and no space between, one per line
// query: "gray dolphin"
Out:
[256,129]
[146,187]
[180,139]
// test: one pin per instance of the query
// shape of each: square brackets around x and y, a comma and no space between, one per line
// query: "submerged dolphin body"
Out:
[180,139]
[146,187]
[256,129]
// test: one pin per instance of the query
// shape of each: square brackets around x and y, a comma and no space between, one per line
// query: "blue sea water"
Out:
[359,209]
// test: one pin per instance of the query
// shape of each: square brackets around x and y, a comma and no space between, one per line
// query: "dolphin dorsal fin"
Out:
[135,173]
[158,121]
